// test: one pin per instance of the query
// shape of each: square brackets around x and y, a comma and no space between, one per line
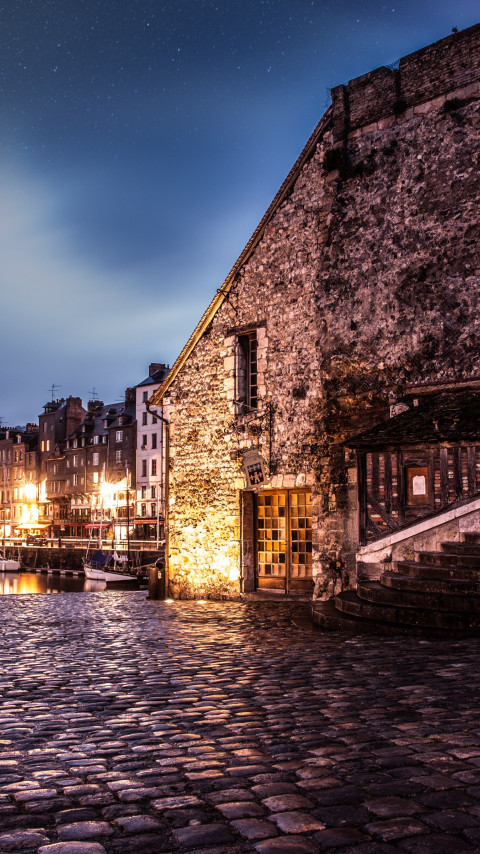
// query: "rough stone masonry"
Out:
[361,280]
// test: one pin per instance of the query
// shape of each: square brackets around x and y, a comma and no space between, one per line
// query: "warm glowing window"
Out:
[95,476]
[95,459]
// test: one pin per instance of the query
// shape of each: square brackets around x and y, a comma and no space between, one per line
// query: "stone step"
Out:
[459,558]
[459,548]
[374,591]
[326,616]
[434,571]
[430,585]
[403,615]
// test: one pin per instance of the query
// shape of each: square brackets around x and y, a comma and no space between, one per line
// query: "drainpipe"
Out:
[165,478]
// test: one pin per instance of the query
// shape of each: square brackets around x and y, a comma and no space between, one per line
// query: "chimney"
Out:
[155,367]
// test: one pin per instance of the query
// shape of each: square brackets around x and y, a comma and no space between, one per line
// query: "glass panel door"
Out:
[272,533]
[284,540]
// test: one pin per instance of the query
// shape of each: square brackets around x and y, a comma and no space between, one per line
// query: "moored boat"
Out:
[8,564]
[112,567]
[108,567]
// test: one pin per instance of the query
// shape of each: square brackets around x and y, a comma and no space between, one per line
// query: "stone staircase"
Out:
[437,593]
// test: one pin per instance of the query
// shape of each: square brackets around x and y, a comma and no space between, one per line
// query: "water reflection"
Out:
[42,582]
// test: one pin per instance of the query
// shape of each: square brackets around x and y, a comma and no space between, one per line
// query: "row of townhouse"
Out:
[82,473]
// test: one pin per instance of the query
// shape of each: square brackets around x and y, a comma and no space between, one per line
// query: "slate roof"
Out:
[449,417]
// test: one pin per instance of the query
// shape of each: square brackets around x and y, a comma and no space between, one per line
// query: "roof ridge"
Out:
[222,292]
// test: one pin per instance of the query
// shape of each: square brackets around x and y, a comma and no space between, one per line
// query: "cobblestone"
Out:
[139,727]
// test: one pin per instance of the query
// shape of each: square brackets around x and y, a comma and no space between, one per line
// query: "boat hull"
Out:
[95,573]
[7,565]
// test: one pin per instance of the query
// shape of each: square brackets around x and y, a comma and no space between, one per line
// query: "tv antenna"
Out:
[53,389]
[93,393]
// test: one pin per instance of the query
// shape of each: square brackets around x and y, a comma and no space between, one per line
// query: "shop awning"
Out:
[30,526]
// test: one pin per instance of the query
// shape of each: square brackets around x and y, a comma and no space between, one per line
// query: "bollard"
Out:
[153,582]
[161,582]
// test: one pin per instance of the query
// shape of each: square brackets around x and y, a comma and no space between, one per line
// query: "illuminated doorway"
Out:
[284,540]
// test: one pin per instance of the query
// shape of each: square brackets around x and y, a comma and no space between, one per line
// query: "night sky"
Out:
[140,144]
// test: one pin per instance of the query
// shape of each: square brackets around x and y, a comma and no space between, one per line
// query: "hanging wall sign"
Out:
[254,468]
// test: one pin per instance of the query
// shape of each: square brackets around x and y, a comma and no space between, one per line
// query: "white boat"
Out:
[108,567]
[8,564]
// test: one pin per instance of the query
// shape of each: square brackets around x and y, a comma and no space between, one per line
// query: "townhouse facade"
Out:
[74,475]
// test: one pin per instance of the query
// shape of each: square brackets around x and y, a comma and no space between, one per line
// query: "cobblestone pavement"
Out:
[136,727]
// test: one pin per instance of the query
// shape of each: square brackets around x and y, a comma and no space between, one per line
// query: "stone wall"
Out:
[365,281]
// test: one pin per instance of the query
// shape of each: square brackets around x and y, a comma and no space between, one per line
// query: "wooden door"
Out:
[284,540]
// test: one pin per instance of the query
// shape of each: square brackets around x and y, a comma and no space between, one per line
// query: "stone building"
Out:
[357,295]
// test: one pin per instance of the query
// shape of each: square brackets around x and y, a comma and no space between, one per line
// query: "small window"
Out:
[118,456]
[143,510]
[144,491]
[95,476]
[95,459]
[153,510]
[75,479]
[119,436]
[145,396]
[154,440]
[152,492]
[144,442]
[144,468]
[154,419]
[96,440]
[246,373]
[144,419]
[75,461]
[154,468]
